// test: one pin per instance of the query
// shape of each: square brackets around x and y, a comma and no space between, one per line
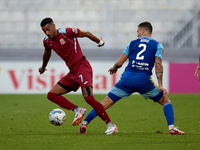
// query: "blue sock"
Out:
[169,113]
[92,114]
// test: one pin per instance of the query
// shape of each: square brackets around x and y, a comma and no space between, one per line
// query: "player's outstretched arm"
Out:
[46,57]
[159,74]
[100,42]
[118,64]
[197,72]
[159,70]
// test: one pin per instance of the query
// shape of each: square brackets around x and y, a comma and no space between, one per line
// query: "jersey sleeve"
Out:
[45,43]
[72,32]
[126,50]
[159,52]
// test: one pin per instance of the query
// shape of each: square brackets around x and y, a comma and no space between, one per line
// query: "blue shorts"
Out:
[130,83]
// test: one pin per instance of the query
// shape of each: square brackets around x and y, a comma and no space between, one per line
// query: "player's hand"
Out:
[162,89]
[100,43]
[197,72]
[112,70]
[42,70]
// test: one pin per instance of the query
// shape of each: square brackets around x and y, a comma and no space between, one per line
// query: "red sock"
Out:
[61,101]
[99,109]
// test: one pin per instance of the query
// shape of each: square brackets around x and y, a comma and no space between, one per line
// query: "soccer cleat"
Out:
[111,130]
[82,129]
[79,116]
[175,130]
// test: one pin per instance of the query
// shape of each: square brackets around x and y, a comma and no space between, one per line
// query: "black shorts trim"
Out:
[69,89]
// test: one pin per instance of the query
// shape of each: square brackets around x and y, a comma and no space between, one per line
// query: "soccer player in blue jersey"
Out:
[143,54]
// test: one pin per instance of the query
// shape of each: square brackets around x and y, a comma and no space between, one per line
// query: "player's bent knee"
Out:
[94,103]
[167,101]
[87,91]
[163,100]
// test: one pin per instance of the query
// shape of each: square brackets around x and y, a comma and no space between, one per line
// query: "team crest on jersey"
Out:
[62,41]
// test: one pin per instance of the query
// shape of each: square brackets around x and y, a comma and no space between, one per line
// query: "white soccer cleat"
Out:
[175,130]
[111,130]
[79,116]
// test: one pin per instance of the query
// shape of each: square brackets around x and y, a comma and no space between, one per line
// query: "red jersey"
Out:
[66,45]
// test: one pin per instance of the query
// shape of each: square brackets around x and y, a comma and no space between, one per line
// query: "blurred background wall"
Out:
[176,25]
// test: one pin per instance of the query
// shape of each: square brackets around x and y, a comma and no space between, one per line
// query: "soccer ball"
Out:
[57,117]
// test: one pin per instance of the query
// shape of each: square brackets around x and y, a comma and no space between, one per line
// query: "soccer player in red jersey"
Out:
[64,42]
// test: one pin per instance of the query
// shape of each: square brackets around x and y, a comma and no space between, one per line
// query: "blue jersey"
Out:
[141,53]
[136,77]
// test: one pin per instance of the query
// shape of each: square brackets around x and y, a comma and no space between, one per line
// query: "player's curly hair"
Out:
[46,21]
[147,26]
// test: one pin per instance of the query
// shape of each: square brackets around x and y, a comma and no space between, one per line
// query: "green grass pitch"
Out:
[24,125]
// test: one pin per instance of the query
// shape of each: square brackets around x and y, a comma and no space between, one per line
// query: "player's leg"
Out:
[169,115]
[54,95]
[83,76]
[113,96]
[151,91]
[99,108]
[107,103]
[66,85]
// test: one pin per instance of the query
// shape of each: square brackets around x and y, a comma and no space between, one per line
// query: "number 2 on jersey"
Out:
[139,56]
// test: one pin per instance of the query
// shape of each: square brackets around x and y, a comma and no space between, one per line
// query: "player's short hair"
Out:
[46,21]
[147,26]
